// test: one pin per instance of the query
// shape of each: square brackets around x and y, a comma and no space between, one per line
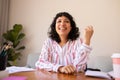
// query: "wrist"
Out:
[87,42]
[60,69]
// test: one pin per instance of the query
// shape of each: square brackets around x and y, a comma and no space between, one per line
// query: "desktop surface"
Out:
[45,75]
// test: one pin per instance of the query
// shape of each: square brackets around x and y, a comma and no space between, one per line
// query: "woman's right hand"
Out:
[88,32]
[69,69]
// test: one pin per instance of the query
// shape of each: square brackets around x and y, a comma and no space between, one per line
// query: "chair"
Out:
[32,58]
[104,63]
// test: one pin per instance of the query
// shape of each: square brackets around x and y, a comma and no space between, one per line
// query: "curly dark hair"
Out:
[74,33]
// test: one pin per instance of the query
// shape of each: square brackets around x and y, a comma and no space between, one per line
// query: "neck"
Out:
[63,41]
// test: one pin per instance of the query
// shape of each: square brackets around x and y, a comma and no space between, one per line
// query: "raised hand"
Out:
[88,32]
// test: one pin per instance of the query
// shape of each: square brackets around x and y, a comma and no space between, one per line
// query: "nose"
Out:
[62,23]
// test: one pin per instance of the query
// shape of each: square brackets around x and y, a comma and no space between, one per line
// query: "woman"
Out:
[64,51]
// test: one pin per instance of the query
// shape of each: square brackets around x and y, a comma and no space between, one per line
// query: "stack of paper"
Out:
[98,74]
[14,69]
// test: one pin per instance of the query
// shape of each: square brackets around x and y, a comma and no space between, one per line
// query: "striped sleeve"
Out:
[81,56]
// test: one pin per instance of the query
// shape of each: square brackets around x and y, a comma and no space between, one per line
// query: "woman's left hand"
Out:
[69,69]
[88,32]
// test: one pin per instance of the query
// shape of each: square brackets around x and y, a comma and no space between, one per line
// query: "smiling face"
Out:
[63,26]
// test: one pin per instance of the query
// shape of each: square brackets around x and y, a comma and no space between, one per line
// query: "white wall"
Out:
[37,15]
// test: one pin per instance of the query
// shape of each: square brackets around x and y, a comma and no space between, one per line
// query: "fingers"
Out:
[68,69]
[88,32]
[89,29]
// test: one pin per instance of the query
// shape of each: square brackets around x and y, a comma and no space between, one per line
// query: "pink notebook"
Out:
[15,78]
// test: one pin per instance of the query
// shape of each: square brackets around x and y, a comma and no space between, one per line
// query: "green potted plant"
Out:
[14,36]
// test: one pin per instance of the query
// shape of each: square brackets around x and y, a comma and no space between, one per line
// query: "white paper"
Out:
[97,74]
[111,73]
[14,69]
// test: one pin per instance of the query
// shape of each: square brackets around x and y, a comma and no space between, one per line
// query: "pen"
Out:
[4,49]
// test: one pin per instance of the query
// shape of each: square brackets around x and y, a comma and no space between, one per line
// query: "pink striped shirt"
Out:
[72,53]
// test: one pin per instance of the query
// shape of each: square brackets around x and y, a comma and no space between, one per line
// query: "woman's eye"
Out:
[58,21]
[67,21]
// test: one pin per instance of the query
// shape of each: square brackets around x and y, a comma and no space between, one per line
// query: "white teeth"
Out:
[62,28]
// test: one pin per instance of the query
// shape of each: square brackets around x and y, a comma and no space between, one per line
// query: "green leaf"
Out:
[20,48]
[14,35]
[16,55]
[21,36]
[17,27]
[16,43]
[5,36]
